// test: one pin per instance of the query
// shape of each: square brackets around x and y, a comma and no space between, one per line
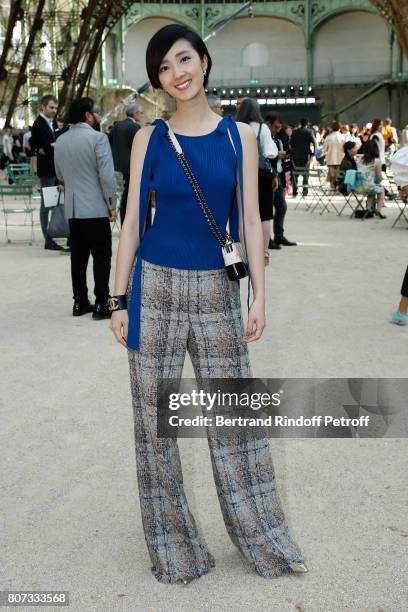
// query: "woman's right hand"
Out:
[119,325]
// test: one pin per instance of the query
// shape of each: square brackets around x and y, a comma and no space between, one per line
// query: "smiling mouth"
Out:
[183,85]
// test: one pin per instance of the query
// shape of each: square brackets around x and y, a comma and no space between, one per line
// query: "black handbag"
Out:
[235,265]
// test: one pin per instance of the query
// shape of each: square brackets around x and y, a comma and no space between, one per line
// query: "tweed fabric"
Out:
[200,311]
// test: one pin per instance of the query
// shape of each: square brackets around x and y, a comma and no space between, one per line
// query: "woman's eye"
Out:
[186,57]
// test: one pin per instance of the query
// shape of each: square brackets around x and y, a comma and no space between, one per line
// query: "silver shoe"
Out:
[298,568]
[185,580]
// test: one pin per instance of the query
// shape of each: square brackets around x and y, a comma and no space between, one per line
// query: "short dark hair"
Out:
[350,144]
[79,108]
[48,98]
[271,118]
[249,110]
[163,40]
[335,126]
[304,122]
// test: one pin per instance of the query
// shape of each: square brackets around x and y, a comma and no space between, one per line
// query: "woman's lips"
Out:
[184,85]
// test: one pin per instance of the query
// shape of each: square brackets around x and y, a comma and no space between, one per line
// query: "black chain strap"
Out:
[200,197]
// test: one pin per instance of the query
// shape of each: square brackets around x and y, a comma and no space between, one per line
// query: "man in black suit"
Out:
[279,200]
[43,137]
[301,141]
[122,139]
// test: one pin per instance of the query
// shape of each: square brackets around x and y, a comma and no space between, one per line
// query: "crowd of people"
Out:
[286,153]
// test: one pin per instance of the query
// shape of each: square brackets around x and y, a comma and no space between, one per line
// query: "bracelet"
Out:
[117,302]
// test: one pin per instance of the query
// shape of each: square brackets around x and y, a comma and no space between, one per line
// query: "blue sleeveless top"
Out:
[179,236]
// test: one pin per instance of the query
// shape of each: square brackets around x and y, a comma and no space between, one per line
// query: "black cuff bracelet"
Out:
[117,302]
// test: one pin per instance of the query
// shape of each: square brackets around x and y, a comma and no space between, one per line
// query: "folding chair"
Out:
[24,192]
[321,192]
[18,172]
[304,172]
[359,198]
[358,201]
[403,209]
[400,200]
[347,197]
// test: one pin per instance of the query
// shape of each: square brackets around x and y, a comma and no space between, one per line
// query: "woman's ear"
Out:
[205,63]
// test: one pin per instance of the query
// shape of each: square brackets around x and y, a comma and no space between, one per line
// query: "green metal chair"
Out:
[321,192]
[19,172]
[304,172]
[399,199]
[23,193]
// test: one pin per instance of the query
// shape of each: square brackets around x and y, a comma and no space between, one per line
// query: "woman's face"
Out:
[353,151]
[181,71]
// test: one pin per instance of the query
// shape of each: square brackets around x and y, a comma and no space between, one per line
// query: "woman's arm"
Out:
[253,231]
[129,235]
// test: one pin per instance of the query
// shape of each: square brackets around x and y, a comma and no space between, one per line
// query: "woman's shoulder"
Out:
[145,132]
[142,137]
[245,130]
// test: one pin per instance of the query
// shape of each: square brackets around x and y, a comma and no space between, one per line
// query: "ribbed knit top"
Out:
[180,236]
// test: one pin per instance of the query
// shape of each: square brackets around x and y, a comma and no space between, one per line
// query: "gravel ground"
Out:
[69,501]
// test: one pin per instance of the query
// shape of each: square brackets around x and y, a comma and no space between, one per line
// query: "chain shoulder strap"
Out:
[197,190]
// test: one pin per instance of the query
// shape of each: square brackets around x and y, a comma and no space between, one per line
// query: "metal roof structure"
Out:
[57,43]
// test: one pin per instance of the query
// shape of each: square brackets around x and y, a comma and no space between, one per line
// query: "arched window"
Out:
[255,54]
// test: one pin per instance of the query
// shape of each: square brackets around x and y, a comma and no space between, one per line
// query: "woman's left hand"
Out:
[256,321]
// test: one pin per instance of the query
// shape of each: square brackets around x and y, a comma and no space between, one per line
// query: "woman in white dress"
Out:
[377,135]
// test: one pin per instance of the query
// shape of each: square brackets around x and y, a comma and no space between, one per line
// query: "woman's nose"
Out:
[178,72]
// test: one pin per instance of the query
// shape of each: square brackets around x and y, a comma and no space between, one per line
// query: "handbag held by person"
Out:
[58,226]
[235,265]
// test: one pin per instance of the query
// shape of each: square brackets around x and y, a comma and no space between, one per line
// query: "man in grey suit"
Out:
[122,138]
[84,165]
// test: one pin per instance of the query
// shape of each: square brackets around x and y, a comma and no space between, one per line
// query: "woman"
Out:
[182,299]
[377,135]
[370,172]
[250,113]
[400,316]
[348,162]
[333,151]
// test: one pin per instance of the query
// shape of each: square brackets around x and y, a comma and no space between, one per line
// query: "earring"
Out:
[204,73]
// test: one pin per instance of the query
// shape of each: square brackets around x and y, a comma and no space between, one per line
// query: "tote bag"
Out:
[58,226]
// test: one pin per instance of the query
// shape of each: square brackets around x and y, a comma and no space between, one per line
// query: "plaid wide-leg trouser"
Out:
[200,311]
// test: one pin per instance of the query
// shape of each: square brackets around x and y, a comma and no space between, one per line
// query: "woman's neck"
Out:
[193,113]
